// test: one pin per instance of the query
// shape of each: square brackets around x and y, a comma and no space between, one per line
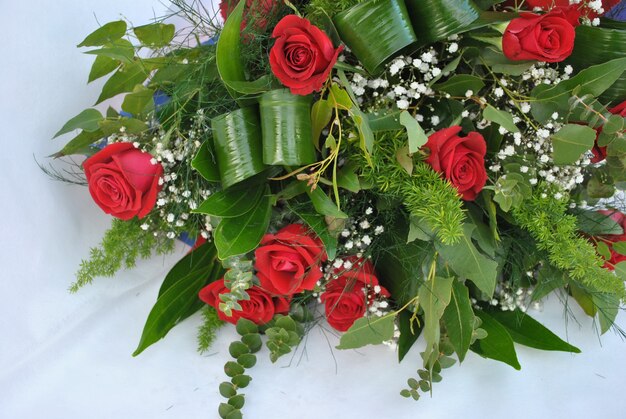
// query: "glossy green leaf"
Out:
[459,319]
[528,332]
[570,142]
[417,136]
[204,162]
[324,205]
[102,66]
[502,118]
[368,331]
[498,344]
[321,113]
[108,32]
[376,31]
[238,145]
[286,127]
[436,20]
[230,65]
[179,292]
[232,202]
[465,259]
[239,235]
[155,35]
[87,120]
[123,80]
[594,223]
[139,101]
[120,50]
[459,84]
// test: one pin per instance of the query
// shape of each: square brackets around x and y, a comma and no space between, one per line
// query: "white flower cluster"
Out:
[509,299]
[541,73]
[405,80]
[358,234]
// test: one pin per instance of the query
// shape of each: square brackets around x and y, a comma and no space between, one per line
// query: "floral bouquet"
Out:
[390,168]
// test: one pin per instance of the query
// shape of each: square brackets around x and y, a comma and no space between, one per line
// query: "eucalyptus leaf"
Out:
[368,331]
[139,101]
[102,66]
[87,120]
[594,223]
[324,205]
[409,332]
[459,319]
[434,297]
[155,35]
[459,84]
[123,80]
[108,32]
[502,118]
[570,142]
[416,134]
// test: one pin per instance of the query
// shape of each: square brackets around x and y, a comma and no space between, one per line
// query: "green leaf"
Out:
[620,247]
[155,35]
[227,389]
[121,50]
[205,164]
[252,341]
[79,143]
[593,81]
[246,360]
[237,349]
[225,409]
[237,401]
[528,332]
[465,259]
[584,299]
[408,333]
[87,120]
[102,66]
[348,179]
[608,306]
[179,292]
[459,84]
[239,235]
[548,280]
[131,125]
[241,381]
[570,142]
[434,297]
[614,124]
[318,225]
[324,205]
[502,118]
[109,32]
[596,224]
[366,136]
[368,331]
[139,101]
[459,319]
[123,80]
[232,369]
[417,136]
[385,121]
[232,202]
[620,270]
[321,113]
[498,344]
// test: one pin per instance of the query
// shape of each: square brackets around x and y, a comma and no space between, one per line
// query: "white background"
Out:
[69,356]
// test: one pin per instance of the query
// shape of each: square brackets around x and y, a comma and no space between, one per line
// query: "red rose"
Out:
[302,56]
[288,262]
[347,297]
[461,160]
[123,181]
[599,153]
[548,37]
[610,239]
[259,10]
[260,308]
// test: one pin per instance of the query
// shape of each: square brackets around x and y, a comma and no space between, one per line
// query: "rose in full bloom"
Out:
[461,160]
[548,37]
[260,308]
[288,262]
[123,181]
[347,297]
[599,153]
[302,56]
[610,239]
[257,10]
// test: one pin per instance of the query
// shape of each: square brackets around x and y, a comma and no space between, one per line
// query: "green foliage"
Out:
[316,10]
[237,279]
[121,245]
[282,336]
[556,232]
[206,332]
[498,344]
[368,331]
[424,193]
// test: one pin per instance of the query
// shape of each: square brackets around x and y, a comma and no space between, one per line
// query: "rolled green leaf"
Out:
[286,127]
[595,45]
[435,20]
[238,149]
[376,31]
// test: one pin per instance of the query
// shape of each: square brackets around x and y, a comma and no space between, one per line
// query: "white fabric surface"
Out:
[69,356]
